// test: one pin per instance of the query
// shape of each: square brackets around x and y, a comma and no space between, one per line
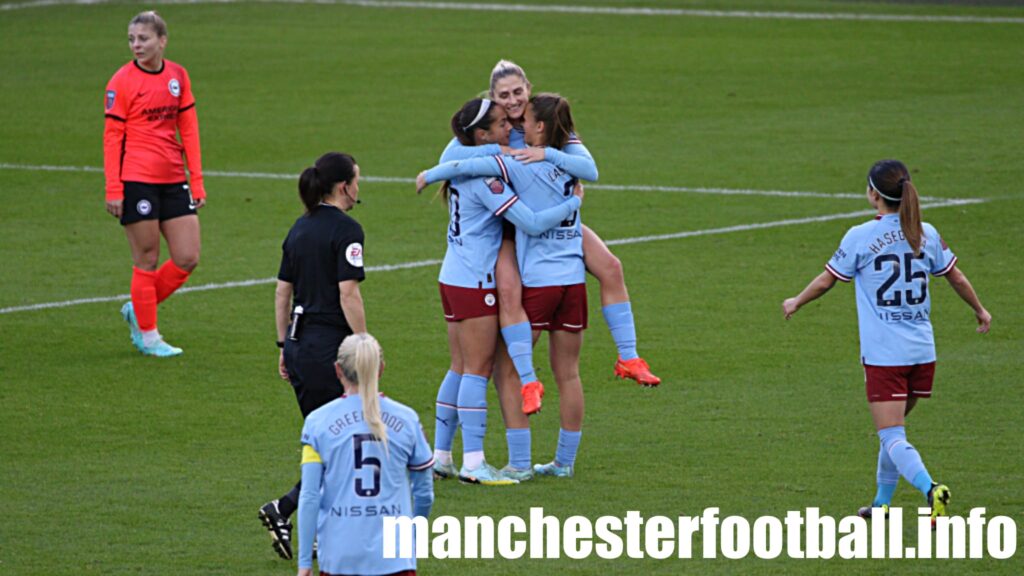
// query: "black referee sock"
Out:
[288,503]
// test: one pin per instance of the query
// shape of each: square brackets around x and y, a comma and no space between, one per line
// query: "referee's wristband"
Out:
[280,343]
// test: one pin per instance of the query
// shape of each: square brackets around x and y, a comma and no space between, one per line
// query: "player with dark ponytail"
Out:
[552,272]
[890,179]
[891,258]
[510,88]
[317,302]
[477,208]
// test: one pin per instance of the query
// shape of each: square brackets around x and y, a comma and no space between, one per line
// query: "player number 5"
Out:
[368,462]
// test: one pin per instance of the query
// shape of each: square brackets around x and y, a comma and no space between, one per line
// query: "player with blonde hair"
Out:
[364,457]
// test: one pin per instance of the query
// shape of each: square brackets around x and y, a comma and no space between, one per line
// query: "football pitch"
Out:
[733,139]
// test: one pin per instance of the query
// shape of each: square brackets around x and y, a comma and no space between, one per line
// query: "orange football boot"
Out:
[636,369]
[532,393]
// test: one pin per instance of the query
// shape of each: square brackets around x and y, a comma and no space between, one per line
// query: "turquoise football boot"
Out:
[553,469]
[128,313]
[445,471]
[519,474]
[161,350]
[485,475]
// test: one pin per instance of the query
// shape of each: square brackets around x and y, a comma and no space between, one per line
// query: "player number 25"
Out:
[893,260]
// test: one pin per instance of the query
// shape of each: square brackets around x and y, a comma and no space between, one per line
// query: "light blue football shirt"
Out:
[551,258]
[575,158]
[475,207]
[893,303]
[516,138]
[362,483]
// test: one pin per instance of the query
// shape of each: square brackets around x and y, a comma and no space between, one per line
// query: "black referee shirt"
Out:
[323,248]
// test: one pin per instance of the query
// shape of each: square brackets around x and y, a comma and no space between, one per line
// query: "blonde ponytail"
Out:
[910,217]
[359,358]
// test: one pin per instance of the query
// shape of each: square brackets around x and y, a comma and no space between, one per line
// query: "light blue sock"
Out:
[473,412]
[519,341]
[887,477]
[446,414]
[923,482]
[906,457]
[518,440]
[620,321]
[568,444]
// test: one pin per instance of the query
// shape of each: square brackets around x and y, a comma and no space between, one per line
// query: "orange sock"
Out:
[144,298]
[168,279]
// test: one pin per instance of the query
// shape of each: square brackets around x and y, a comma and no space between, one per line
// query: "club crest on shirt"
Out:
[110,99]
[144,207]
[496,186]
[174,87]
[354,254]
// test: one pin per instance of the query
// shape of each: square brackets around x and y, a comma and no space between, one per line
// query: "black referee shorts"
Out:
[310,362]
[156,202]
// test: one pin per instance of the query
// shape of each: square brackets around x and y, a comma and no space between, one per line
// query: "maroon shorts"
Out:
[556,307]
[894,383]
[463,303]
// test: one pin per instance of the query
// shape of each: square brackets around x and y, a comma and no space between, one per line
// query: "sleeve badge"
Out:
[496,186]
[354,254]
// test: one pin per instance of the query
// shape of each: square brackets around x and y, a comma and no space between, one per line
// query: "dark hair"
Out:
[891,179]
[461,120]
[553,111]
[151,18]
[317,181]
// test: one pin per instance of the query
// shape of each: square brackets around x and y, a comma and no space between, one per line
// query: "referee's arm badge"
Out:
[354,254]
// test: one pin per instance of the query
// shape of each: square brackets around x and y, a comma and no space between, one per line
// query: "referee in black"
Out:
[317,302]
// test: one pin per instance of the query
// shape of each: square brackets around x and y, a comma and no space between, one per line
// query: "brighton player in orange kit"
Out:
[148,105]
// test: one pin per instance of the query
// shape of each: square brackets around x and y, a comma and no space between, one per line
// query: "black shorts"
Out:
[156,202]
[310,363]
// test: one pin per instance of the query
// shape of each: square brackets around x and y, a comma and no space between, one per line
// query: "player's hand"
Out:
[984,321]
[421,181]
[282,371]
[200,203]
[529,155]
[305,572]
[507,150]
[115,208]
[578,191]
[789,307]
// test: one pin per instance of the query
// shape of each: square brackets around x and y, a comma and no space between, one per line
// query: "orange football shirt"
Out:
[145,112]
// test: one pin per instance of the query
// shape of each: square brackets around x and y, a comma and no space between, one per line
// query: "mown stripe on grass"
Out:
[423,263]
[586,10]
[401,180]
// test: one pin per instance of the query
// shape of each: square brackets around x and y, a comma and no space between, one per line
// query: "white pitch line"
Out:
[563,9]
[200,288]
[776,224]
[423,263]
[400,180]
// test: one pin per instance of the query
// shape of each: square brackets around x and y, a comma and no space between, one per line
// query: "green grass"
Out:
[111,463]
